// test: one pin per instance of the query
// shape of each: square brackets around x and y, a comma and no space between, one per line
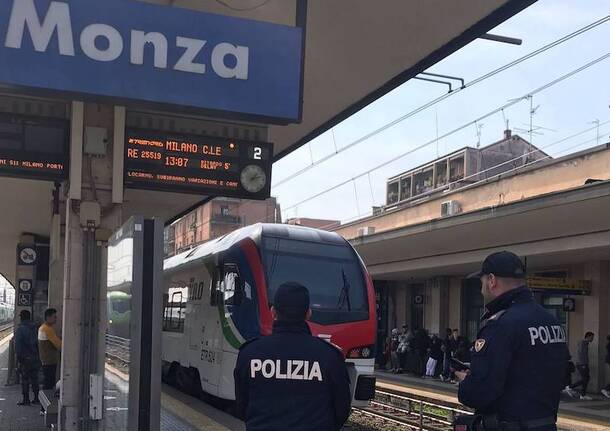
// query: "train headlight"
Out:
[364,352]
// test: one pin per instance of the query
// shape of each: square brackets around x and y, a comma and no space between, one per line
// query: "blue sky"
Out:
[566,108]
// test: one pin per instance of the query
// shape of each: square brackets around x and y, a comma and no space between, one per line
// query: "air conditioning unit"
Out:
[367,230]
[450,208]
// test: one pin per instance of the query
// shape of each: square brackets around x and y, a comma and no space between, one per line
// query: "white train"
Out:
[7,303]
[217,295]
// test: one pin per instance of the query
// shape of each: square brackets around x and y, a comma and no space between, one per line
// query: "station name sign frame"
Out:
[130,51]
[194,164]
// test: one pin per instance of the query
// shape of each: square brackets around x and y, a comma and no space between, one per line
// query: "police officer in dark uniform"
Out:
[291,380]
[520,356]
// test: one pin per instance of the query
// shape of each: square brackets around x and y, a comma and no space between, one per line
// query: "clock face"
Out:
[253,178]
[25,285]
[27,255]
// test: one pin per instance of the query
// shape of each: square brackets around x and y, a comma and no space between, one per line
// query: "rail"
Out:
[118,348]
[409,412]
[6,327]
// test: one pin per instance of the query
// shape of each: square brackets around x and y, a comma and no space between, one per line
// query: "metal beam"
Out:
[501,39]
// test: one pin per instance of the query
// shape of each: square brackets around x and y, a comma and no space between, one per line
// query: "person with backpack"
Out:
[28,362]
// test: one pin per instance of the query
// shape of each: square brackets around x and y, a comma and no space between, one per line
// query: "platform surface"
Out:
[179,411]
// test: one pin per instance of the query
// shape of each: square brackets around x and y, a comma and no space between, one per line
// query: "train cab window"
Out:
[331,272]
[216,288]
[173,313]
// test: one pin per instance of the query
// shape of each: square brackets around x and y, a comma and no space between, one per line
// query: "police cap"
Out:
[292,300]
[501,264]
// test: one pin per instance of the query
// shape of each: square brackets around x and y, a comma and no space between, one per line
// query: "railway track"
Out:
[117,349]
[407,412]
[6,329]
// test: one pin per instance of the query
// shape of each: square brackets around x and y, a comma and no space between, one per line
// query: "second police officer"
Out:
[291,380]
[519,358]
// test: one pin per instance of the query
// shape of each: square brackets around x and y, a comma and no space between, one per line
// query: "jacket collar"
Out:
[504,301]
[280,327]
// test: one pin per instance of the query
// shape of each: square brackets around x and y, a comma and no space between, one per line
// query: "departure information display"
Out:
[197,164]
[34,147]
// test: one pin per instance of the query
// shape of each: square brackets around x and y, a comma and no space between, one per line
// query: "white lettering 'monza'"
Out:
[190,53]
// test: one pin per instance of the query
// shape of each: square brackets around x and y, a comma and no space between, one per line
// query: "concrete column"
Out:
[437,305]
[454,305]
[595,319]
[71,335]
[403,299]
[56,268]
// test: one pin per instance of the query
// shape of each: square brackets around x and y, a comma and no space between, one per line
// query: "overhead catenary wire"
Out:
[445,96]
[462,127]
[486,179]
[526,165]
[457,129]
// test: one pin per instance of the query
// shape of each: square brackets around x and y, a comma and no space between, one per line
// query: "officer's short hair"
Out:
[49,312]
[25,315]
[589,334]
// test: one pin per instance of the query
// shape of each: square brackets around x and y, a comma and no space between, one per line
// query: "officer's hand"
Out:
[461,375]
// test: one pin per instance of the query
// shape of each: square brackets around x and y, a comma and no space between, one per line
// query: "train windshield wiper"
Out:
[344,296]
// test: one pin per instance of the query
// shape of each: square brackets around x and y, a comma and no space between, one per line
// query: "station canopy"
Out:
[355,51]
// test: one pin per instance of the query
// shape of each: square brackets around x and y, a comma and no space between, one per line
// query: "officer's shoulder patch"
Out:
[479,345]
[497,316]
[248,342]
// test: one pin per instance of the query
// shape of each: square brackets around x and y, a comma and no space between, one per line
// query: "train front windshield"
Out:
[332,274]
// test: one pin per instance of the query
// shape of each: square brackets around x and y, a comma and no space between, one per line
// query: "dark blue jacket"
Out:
[26,343]
[519,362]
[293,381]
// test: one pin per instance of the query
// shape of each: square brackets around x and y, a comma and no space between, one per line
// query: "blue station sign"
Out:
[131,51]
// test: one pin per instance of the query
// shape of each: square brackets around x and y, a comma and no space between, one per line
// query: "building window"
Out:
[456,169]
[392,196]
[405,188]
[472,308]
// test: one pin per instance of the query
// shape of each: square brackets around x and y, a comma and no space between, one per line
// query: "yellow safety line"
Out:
[179,409]
[189,414]
[565,421]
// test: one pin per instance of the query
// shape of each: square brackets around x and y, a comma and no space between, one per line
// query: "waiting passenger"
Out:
[28,364]
[291,380]
[435,356]
[582,365]
[49,345]
[569,371]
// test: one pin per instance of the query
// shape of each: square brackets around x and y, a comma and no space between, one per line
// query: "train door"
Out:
[205,342]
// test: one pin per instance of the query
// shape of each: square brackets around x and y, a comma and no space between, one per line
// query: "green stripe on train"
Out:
[226,327]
